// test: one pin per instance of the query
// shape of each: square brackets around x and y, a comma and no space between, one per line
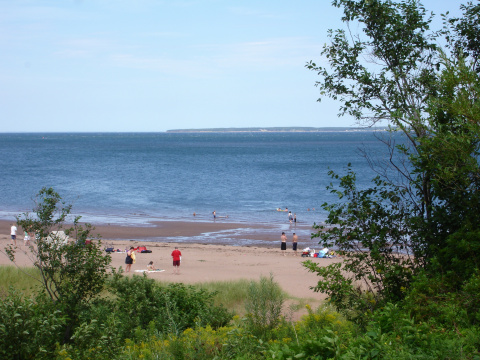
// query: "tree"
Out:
[451,156]
[462,33]
[71,273]
[395,72]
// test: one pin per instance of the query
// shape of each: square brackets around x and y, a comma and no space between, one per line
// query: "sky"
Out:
[153,65]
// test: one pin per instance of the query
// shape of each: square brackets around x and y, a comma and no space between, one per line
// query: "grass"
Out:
[231,294]
[21,278]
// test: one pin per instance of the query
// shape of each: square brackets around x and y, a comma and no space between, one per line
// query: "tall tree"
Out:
[393,71]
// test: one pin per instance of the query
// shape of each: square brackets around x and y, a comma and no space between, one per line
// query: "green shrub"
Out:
[172,307]
[460,259]
[432,299]
[91,340]
[393,334]
[264,305]
[470,294]
[29,328]
[322,333]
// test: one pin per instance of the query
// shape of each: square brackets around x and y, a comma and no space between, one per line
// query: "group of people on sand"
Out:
[283,244]
[131,259]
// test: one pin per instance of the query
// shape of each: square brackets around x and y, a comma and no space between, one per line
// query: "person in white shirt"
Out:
[13,234]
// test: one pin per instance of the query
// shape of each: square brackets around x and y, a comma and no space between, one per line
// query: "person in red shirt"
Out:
[177,256]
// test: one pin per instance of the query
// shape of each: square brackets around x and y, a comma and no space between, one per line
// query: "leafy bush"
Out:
[460,259]
[172,308]
[393,334]
[322,333]
[91,340]
[29,328]
[433,299]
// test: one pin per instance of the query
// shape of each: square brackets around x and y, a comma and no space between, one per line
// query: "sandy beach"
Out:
[201,262]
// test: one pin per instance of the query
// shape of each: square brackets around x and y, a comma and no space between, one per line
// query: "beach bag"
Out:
[110,249]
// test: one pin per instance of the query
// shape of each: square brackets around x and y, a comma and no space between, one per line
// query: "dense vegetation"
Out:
[409,285]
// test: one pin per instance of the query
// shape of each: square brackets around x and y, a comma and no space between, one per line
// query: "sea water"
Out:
[129,178]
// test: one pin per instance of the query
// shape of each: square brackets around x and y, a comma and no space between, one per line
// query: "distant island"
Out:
[275,129]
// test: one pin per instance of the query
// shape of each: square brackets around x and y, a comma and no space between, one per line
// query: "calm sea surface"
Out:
[136,177]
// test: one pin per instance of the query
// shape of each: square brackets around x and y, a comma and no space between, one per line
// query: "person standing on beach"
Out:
[294,244]
[283,245]
[177,257]
[290,217]
[13,234]
[295,218]
[214,215]
[129,260]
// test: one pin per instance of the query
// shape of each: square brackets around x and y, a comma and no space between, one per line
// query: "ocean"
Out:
[133,178]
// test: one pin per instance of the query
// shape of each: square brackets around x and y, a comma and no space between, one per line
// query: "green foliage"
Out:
[198,343]
[371,228]
[392,85]
[459,259]
[394,334]
[423,212]
[29,328]
[172,307]
[462,33]
[264,305]
[321,334]
[72,273]
[435,300]
[449,159]
[91,340]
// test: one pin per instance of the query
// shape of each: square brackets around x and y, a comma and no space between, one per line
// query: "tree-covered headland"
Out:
[409,283]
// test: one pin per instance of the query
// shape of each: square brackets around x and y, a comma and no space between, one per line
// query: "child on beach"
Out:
[26,238]
[151,267]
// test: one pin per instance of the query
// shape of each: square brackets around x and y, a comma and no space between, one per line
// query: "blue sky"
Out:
[152,65]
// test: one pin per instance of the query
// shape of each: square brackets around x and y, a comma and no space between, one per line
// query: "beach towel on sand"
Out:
[150,271]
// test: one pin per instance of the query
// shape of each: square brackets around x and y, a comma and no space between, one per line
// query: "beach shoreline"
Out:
[198,232]
[201,261]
